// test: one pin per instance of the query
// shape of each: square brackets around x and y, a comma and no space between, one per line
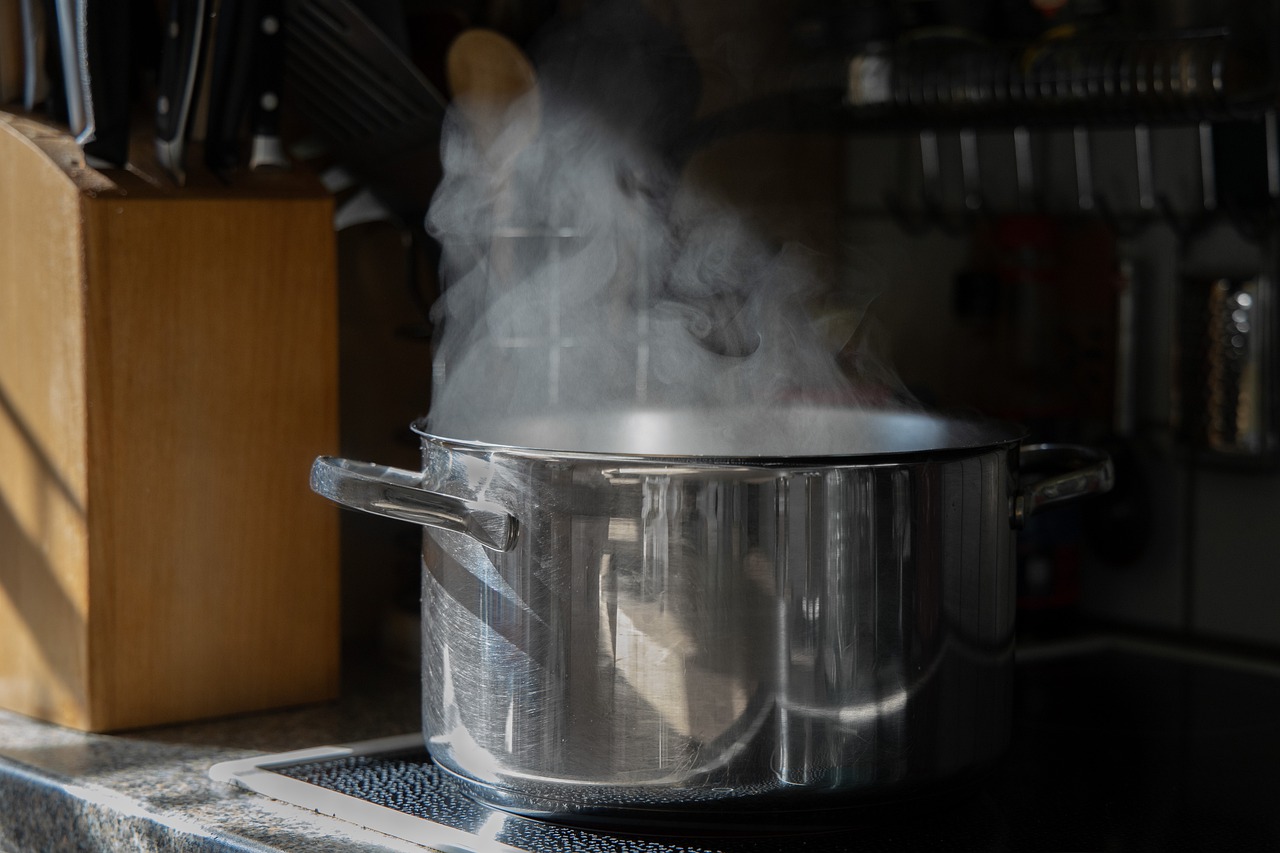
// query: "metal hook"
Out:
[1273,156]
[1024,167]
[1208,172]
[930,170]
[1145,168]
[970,170]
[1086,196]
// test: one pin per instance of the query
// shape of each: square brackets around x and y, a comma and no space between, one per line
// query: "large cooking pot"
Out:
[681,614]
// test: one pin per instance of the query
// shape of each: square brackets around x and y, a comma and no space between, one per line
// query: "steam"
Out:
[582,275]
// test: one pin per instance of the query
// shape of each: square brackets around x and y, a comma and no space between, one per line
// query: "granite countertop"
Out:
[148,790]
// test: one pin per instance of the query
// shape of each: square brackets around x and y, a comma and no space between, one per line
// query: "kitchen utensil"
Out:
[1226,386]
[180,56]
[1227,399]
[106,40]
[229,70]
[488,74]
[366,100]
[668,612]
[267,150]
[56,100]
[35,83]
[495,88]
[74,73]
[245,79]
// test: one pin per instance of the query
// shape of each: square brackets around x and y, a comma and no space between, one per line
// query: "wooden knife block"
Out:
[168,371]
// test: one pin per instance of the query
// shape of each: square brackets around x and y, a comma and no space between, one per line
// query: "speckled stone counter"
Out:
[149,790]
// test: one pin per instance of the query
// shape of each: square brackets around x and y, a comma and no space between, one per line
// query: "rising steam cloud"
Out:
[582,276]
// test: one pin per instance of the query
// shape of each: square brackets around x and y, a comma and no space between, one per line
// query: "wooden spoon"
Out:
[495,86]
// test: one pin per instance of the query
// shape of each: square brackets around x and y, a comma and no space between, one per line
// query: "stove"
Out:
[1118,745]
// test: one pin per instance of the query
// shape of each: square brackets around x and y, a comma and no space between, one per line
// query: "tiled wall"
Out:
[1211,565]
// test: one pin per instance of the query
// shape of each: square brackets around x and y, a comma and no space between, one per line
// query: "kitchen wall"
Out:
[1207,564]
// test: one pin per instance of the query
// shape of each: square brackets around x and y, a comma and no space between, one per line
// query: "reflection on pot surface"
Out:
[719,632]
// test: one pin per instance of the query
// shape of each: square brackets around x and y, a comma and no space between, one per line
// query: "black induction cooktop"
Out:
[1118,746]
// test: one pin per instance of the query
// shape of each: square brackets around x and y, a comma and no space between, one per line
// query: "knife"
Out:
[70,21]
[105,54]
[34,82]
[267,151]
[181,50]
[55,101]
[228,84]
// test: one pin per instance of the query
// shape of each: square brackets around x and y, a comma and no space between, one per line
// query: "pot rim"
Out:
[964,437]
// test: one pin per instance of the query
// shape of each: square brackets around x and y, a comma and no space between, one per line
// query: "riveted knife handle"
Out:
[180,55]
[266,80]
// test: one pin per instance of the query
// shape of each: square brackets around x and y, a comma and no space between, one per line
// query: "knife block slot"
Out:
[168,371]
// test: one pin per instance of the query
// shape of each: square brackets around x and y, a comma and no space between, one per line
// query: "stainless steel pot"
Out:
[682,616]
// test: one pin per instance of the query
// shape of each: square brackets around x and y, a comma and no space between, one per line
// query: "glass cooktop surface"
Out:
[1117,746]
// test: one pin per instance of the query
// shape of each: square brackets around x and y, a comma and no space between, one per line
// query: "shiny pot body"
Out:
[700,633]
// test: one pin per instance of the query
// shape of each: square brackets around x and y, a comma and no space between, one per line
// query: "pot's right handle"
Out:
[1088,472]
[397,493]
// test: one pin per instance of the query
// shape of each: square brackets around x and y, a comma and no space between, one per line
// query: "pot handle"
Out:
[397,493]
[1090,472]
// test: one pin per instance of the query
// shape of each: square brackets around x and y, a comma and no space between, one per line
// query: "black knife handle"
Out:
[108,48]
[228,83]
[266,82]
[179,68]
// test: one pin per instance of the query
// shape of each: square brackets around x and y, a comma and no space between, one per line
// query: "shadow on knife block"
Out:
[168,371]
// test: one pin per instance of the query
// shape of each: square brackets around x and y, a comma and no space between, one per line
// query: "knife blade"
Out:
[181,50]
[69,55]
[35,83]
[267,151]
[89,126]
[73,27]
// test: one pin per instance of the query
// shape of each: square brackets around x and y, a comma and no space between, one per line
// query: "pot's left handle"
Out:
[1088,471]
[397,493]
